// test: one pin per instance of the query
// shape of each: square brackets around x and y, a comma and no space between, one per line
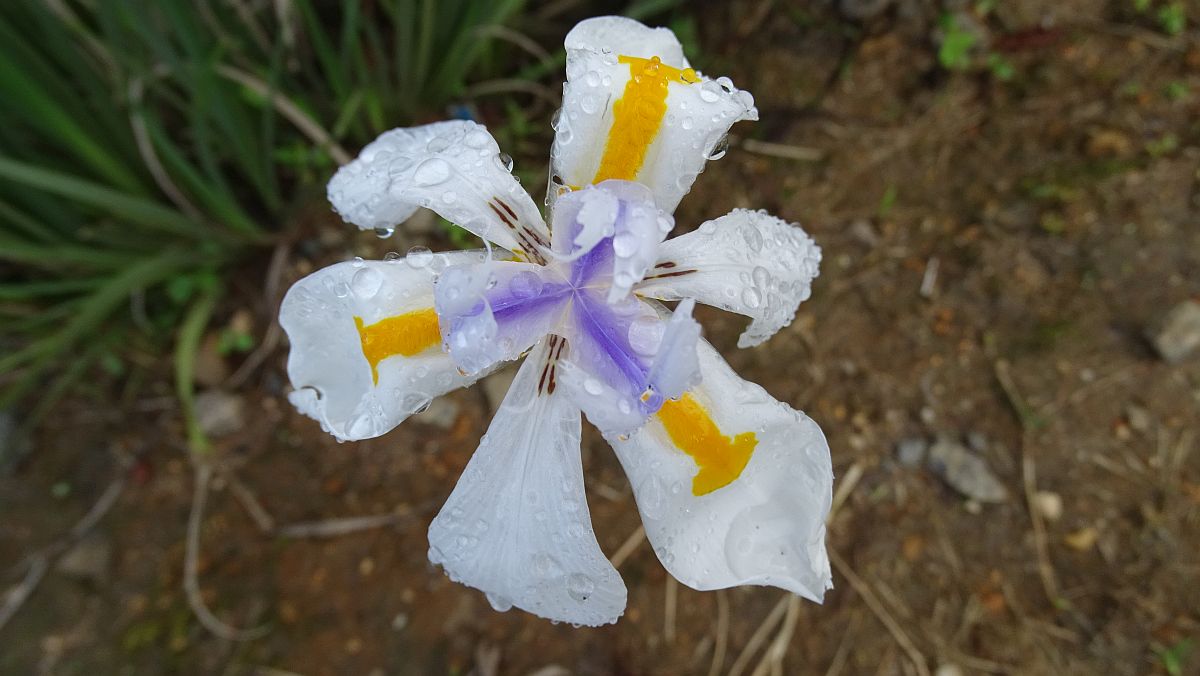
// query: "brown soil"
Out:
[1062,210]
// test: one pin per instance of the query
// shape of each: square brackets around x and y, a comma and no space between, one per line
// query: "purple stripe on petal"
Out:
[599,259]
[509,306]
[610,334]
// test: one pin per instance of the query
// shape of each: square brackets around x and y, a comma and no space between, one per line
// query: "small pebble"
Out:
[911,452]
[219,413]
[1138,417]
[1048,504]
[1082,539]
[965,472]
[1178,335]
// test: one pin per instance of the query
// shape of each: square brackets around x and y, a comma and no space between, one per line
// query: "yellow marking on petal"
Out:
[720,458]
[637,116]
[406,335]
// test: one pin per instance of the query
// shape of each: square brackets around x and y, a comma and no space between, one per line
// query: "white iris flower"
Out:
[732,485]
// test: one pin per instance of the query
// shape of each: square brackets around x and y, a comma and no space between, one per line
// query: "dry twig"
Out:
[335,527]
[191,566]
[39,563]
[631,543]
[889,622]
[722,642]
[759,636]
[670,602]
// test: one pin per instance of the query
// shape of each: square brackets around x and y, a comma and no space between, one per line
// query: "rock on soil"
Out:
[88,559]
[965,472]
[219,413]
[1179,334]
[911,452]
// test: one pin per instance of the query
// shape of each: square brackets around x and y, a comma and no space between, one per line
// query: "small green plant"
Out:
[1164,145]
[957,43]
[147,147]
[888,201]
[1172,18]
[1173,658]
[1000,67]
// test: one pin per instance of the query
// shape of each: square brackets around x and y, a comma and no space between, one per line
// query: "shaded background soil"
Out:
[996,253]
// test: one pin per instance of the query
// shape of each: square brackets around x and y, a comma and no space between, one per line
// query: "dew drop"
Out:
[592,386]
[506,161]
[499,603]
[751,297]
[625,244]
[366,283]
[580,586]
[432,171]
[384,233]
[709,92]
[588,103]
[477,139]
[525,284]
[753,237]
[645,335]
[419,256]
[761,277]
[718,151]
[650,497]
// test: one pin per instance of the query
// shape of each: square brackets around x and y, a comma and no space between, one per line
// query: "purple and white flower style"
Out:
[733,486]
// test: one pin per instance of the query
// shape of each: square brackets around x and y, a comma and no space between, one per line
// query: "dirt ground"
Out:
[996,253]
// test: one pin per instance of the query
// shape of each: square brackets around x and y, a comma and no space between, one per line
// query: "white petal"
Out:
[620,35]
[517,525]
[332,377]
[671,151]
[453,168]
[747,262]
[766,526]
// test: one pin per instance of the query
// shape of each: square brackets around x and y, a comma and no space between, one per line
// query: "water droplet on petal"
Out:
[499,603]
[625,244]
[580,586]
[645,335]
[506,161]
[718,150]
[753,237]
[525,284]
[477,139]
[419,256]
[432,171]
[366,283]
[709,92]
[592,386]
[751,297]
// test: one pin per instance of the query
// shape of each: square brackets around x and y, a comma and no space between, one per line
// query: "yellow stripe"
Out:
[406,335]
[720,458]
[637,116]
